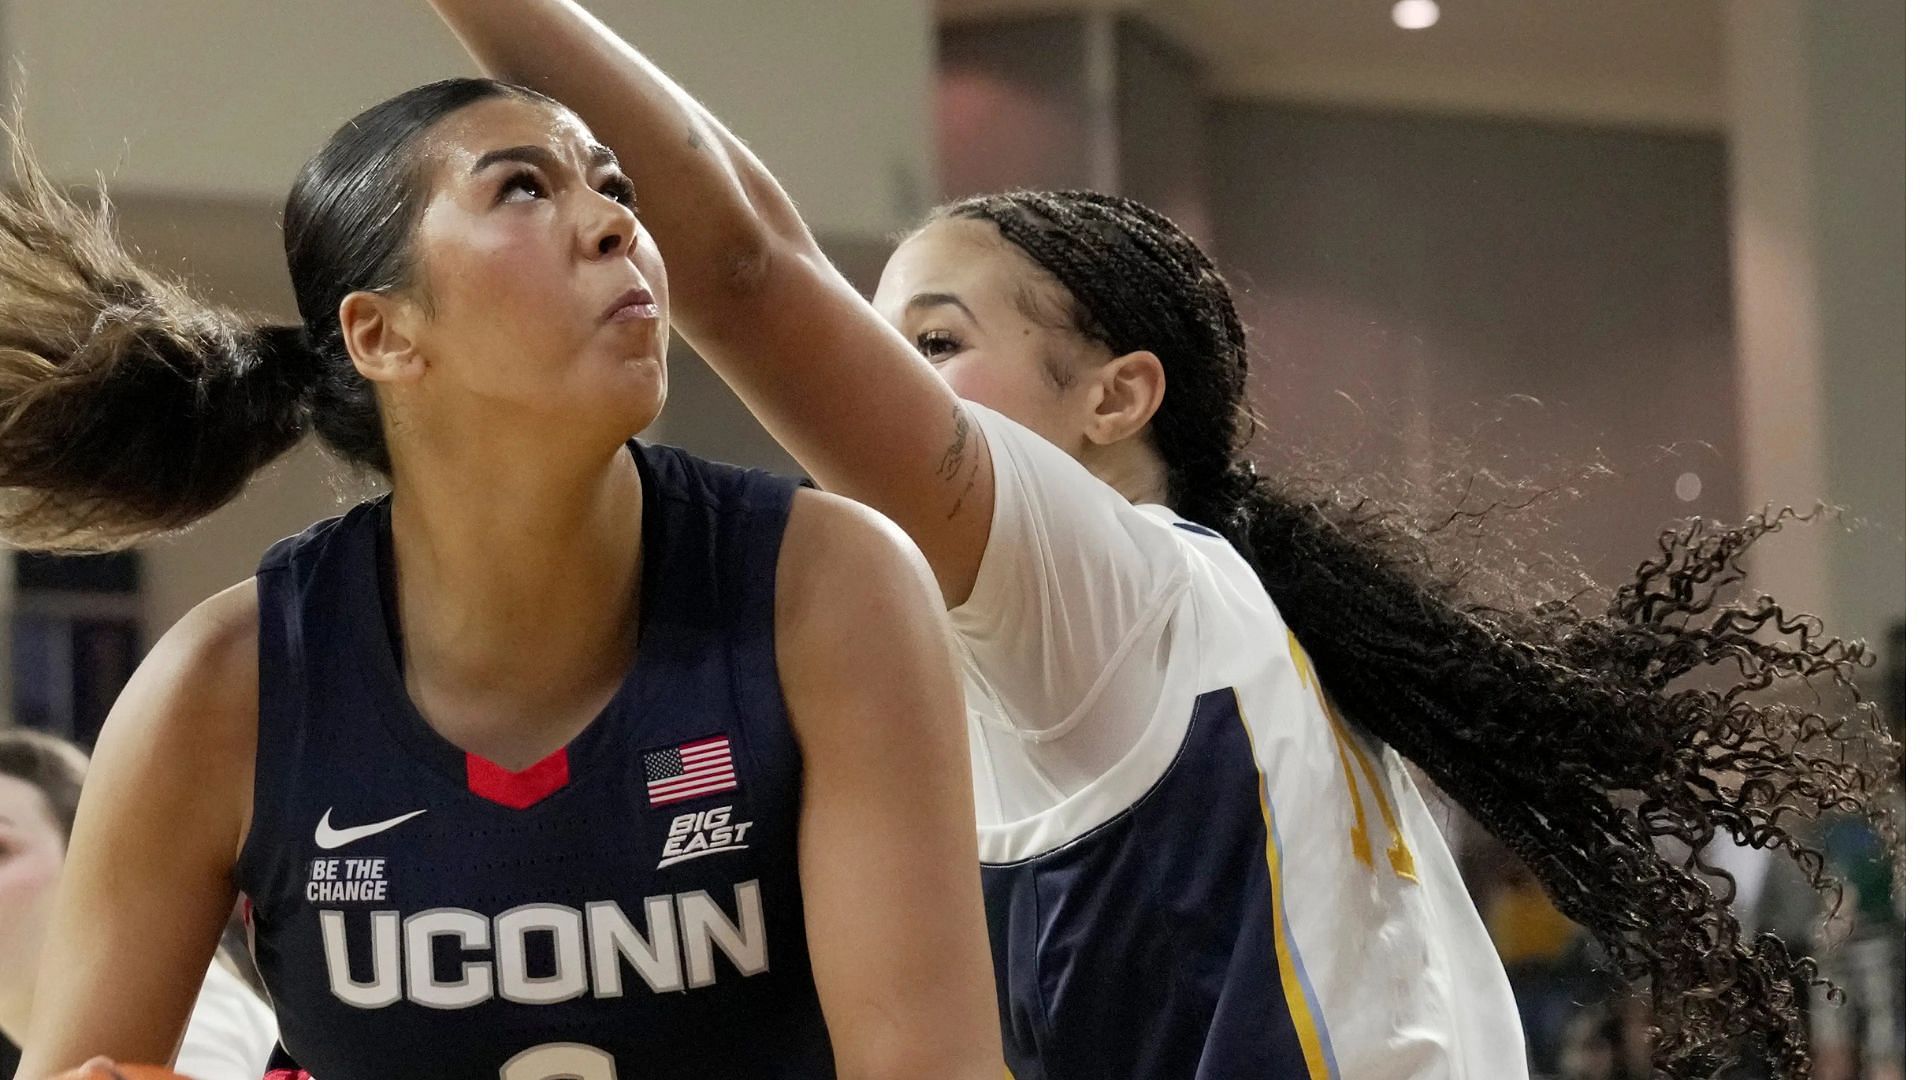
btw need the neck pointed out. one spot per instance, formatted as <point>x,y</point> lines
<point>517,580</point>
<point>1133,468</point>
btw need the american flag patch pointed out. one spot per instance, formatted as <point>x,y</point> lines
<point>689,771</point>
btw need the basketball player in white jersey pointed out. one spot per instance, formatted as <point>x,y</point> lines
<point>1202,858</point>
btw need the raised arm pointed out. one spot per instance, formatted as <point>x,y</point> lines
<point>148,880</point>
<point>895,919</point>
<point>837,386</point>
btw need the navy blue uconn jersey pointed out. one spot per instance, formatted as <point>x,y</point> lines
<point>628,907</point>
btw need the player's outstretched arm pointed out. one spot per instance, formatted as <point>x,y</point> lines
<point>838,387</point>
<point>148,880</point>
<point>895,920</point>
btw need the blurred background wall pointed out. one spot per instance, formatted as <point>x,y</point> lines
<point>1662,235</point>
<point>1530,237</point>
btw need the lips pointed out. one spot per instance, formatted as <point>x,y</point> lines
<point>633,305</point>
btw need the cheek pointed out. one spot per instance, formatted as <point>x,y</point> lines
<point>513,284</point>
<point>504,320</point>
<point>994,381</point>
<point>972,380</point>
<point>26,896</point>
<point>1011,390</point>
<point>501,284</point>
<point>653,268</point>
<point>25,876</point>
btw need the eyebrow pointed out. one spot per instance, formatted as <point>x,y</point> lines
<point>598,156</point>
<point>926,300</point>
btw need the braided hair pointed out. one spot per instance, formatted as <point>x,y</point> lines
<point>1566,732</point>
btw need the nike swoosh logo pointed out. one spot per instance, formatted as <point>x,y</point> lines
<point>328,837</point>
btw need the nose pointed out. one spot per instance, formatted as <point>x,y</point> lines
<point>613,243</point>
<point>614,232</point>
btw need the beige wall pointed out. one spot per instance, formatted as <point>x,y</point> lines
<point>1816,144</point>
<point>227,98</point>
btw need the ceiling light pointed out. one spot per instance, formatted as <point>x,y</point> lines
<point>1687,486</point>
<point>1415,14</point>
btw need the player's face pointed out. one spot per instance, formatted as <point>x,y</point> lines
<point>545,300</point>
<point>985,317</point>
<point>31,854</point>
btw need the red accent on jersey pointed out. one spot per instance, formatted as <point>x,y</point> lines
<point>517,790</point>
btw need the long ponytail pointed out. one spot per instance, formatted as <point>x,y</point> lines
<point>1605,748</point>
<point>127,408</point>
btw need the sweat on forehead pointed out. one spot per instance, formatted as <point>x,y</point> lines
<point>491,129</point>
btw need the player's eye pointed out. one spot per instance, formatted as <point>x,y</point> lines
<point>619,189</point>
<point>936,345</point>
<point>523,184</point>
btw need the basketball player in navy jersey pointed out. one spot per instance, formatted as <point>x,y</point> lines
<point>527,769</point>
<point>1196,865</point>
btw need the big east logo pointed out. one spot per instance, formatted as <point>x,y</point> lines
<point>707,832</point>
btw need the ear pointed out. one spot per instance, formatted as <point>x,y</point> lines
<point>1128,392</point>
<point>379,332</point>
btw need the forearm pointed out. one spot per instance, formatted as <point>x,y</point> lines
<point>715,211</point>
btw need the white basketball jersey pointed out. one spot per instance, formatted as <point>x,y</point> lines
<point>1194,866</point>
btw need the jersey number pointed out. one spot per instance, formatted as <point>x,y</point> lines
<point>560,1061</point>
<point>1352,754</point>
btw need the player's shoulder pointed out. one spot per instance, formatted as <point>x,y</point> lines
<point>185,728</point>
<point>1202,547</point>
<point>220,636</point>
<point>199,687</point>
<point>849,578</point>
<point>833,544</point>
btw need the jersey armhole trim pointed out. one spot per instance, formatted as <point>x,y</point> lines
<point>759,694</point>
<point>1154,614</point>
<point>262,814</point>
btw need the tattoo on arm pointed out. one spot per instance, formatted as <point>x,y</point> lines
<point>961,499</point>
<point>956,453</point>
<point>960,453</point>
<point>694,141</point>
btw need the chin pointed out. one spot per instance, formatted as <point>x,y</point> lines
<point>618,402</point>
<point>643,404</point>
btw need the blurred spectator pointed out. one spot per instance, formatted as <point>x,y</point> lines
<point>1863,950</point>
<point>1608,1041</point>
<point>231,1031</point>
<point>1541,950</point>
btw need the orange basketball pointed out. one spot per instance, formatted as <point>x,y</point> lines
<point>122,1072</point>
